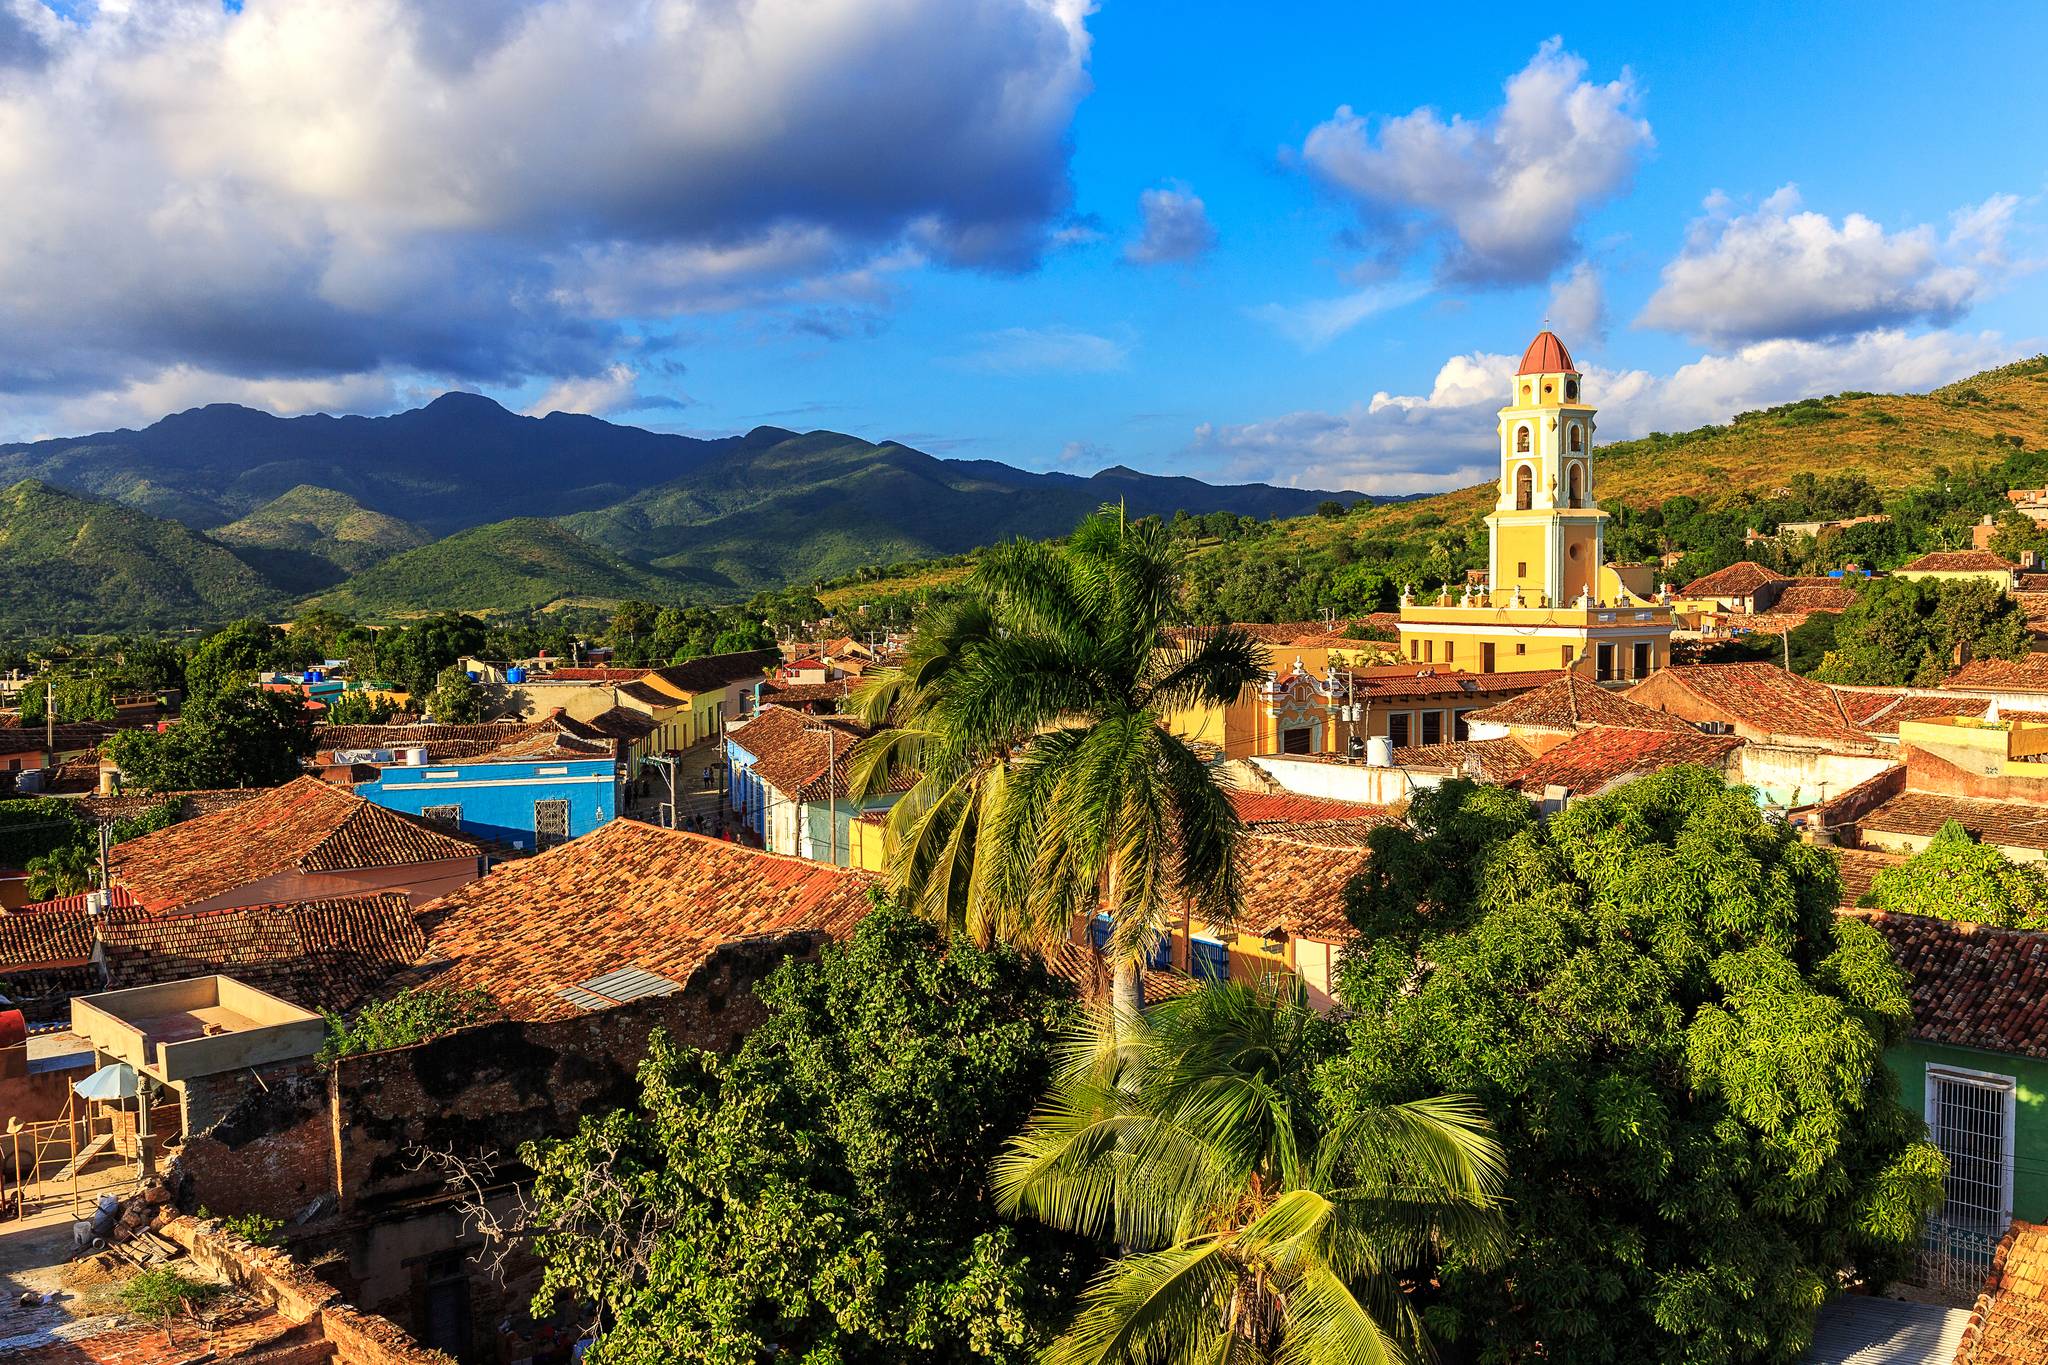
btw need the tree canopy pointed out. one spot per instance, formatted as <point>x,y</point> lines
<point>236,738</point>
<point>822,1196</point>
<point>1909,631</point>
<point>1957,878</point>
<point>1681,1049</point>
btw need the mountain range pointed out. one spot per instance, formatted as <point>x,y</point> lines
<point>463,505</point>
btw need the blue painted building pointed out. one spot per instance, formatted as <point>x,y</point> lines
<point>528,803</point>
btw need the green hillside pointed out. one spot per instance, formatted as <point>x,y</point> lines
<point>76,563</point>
<point>515,565</point>
<point>308,539</point>
<point>786,508</point>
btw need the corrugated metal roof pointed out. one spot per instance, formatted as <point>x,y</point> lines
<point>1857,1329</point>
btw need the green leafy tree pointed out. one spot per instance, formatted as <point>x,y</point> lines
<point>78,699</point>
<point>32,827</point>
<point>360,708</point>
<point>1256,1228</point>
<point>821,1196</point>
<point>413,1016</point>
<point>413,658</point>
<point>456,700</point>
<point>1681,1049</point>
<point>1048,784</point>
<point>1957,878</point>
<point>1329,507</point>
<point>150,664</point>
<point>62,872</point>
<point>231,657</point>
<point>242,738</point>
<point>1908,631</point>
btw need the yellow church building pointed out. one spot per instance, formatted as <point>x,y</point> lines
<point>1550,600</point>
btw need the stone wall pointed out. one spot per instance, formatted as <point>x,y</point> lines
<point>272,1154</point>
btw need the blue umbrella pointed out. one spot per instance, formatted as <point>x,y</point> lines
<point>114,1081</point>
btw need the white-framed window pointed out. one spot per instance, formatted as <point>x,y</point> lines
<point>450,816</point>
<point>1970,1117</point>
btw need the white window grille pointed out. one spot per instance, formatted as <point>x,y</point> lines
<point>1970,1118</point>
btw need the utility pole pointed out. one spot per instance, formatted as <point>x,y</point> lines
<point>50,721</point>
<point>106,842</point>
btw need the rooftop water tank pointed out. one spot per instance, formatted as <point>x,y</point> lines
<point>475,676</point>
<point>515,674</point>
<point>315,675</point>
<point>1379,752</point>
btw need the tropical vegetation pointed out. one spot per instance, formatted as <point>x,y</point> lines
<point>1958,878</point>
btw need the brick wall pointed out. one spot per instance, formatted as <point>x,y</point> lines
<point>273,1153</point>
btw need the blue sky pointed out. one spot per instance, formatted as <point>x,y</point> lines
<point>1295,243</point>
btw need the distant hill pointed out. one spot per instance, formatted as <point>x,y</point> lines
<point>75,563</point>
<point>785,508</point>
<point>515,565</point>
<point>307,539</point>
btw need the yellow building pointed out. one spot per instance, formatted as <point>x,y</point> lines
<point>1551,600</point>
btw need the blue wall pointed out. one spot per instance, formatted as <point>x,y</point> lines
<point>497,799</point>
<point>744,790</point>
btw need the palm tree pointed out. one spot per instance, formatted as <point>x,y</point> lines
<point>1253,1230</point>
<point>1048,785</point>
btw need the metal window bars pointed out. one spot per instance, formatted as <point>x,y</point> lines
<point>1970,1119</point>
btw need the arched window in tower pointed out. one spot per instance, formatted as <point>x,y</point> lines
<point>1521,440</point>
<point>1526,391</point>
<point>1571,390</point>
<point>1575,494</point>
<point>1578,437</point>
<point>1524,484</point>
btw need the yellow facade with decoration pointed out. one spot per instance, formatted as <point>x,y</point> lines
<point>1551,600</point>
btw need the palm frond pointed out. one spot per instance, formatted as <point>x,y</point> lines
<point>1145,1308</point>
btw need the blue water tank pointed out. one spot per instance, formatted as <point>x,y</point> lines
<point>475,676</point>
<point>515,674</point>
<point>315,675</point>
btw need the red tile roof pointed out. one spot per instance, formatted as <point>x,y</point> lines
<point>2009,1324</point>
<point>322,955</point>
<point>2008,824</point>
<point>1959,561</point>
<point>1596,759</point>
<point>627,895</point>
<point>1571,703</point>
<point>710,672</point>
<point>118,900</point>
<point>304,826</point>
<point>805,757</point>
<point>1381,686</point>
<point>797,694</point>
<point>1296,882</point>
<point>1546,355</point>
<point>1766,698</point>
<point>589,675</point>
<point>1268,808</point>
<point>1880,712</point>
<point>1497,760</point>
<point>41,939</point>
<point>1737,580</point>
<point>1859,868</point>
<point>1971,985</point>
<point>1809,597</point>
<point>2026,674</point>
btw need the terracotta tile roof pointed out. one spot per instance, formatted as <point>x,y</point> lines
<point>1297,884</point>
<point>713,671</point>
<point>322,955</point>
<point>304,826</point>
<point>1765,697</point>
<point>797,694</point>
<point>2008,824</point>
<point>1971,985</point>
<point>118,900</point>
<point>190,804</point>
<point>1083,968</point>
<point>1546,355</point>
<point>1295,632</point>
<point>34,941</point>
<point>2033,582</point>
<point>1570,703</point>
<point>245,1332</point>
<point>622,723</point>
<point>1859,868</point>
<point>588,675</point>
<point>2009,1324</point>
<point>646,694</point>
<point>2025,674</point>
<point>627,895</point>
<point>1268,808</point>
<point>1737,580</point>
<point>805,757</point>
<point>1804,597</point>
<point>1595,759</point>
<point>449,740</point>
<point>1498,760</point>
<point>1959,561</point>
<point>1880,712</point>
<point>21,742</point>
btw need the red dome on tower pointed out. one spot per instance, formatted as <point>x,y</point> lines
<point>1546,355</point>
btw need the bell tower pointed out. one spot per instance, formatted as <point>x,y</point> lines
<point>1545,528</point>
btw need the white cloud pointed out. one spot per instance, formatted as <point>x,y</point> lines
<point>1504,193</point>
<point>1315,323</point>
<point>139,402</point>
<point>1447,438</point>
<point>487,191</point>
<point>1041,350</point>
<point>1784,271</point>
<point>613,389</point>
<point>1578,304</point>
<point>1175,228</point>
